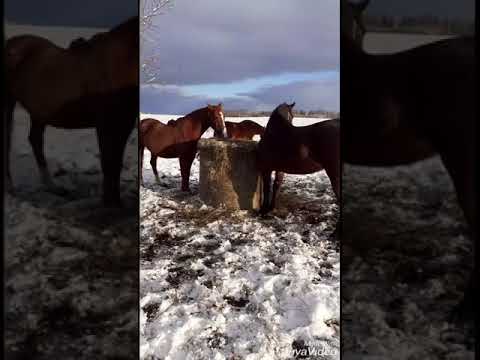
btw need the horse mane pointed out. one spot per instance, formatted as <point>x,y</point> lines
<point>196,112</point>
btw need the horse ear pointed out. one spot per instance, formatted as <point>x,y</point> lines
<point>220,105</point>
<point>292,105</point>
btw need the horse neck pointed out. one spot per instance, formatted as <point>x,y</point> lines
<point>355,59</point>
<point>204,120</point>
<point>198,122</point>
<point>277,124</point>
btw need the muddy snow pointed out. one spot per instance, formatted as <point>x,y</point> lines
<point>404,236</point>
<point>71,266</point>
<point>216,284</point>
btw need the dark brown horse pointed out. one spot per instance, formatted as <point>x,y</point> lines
<point>244,130</point>
<point>72,89</point>
<point>395,148</point>
<point>422,97</point>
<point>78,43</point>
<point>285,148</point>
<point>179,140</point>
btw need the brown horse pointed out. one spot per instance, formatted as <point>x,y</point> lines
<point>285,148</point>
<point>425,95</point>
<point>244,130</point>
<point>179,140</point>
<point>72,89</point>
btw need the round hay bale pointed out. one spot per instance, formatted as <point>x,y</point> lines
<point>229,175</point>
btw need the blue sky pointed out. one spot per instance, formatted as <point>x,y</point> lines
<point>236,88</point>
<point>249,55</point>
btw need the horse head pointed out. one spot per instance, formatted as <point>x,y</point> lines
<point>284,111</point>
<point>216,120</point>
<point>352,24</point>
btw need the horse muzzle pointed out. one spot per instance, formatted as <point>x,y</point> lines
<point>222,134</point>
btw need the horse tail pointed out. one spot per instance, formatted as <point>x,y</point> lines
<point>143,129</point>
<point>146,125</point>
<point>141,149</point>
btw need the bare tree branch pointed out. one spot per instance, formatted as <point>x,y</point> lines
<point>149,11</point>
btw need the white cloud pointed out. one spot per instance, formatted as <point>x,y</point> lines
<point>212,41</point>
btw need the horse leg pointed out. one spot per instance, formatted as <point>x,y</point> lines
<point>267,181</point>
<point>153,163</point>
<point>462,175</point>
<point>185,166</point>
<point>333,173</point>
<point>140,158</point>
<point>9,128</point>
<point>36,138</point>
<point>112,147</point>
<point>276,186</point>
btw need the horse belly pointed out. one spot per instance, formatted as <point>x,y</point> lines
<point>170,152</point>
<point>165,149</point>
<point>300,167</point>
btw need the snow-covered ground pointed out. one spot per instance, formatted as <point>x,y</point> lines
<point>216,284</point>
<point>71,266</point>
<point>404,237</point>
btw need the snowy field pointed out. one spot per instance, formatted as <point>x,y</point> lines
<point>71,266</point>
<point>232,285</point>
<point>404,235</point>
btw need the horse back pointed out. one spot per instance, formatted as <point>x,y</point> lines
<point>253,126</point>
<point>44,77</point>
<point>323,133</point>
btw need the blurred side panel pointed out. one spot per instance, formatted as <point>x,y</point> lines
<point>71,199</point>
<point>408,108</point>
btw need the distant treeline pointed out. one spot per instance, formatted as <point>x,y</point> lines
<point>299,113</point>
<point>428,25</point>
